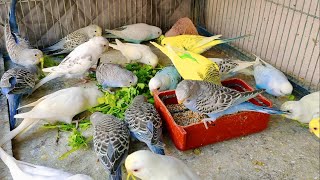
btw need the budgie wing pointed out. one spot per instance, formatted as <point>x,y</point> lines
<point>220,99</point>
<point>70,65</point>
<point>18,80</point>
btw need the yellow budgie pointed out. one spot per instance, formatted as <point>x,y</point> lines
<point>196,43</point>
<point>314,126</point>
<point>191,65</point>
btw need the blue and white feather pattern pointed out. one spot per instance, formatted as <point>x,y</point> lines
<point>166,79</point>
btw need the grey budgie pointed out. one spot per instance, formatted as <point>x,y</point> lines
<point>111,142</point>
<point>74,39</point>
<point>145,123</point>
<point>209,98</point>
<point>19,50</point>
<point>113,75</point>
<point>229,68</point>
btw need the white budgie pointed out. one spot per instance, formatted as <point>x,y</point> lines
<point>305,109</point>
<point>136,52</point>
<point>135,33</point>
<point>61,105</point>
<point>229,68</point>
<point>25,171</point>
<point>74,39</point>
<point>271,79</point>
<point>78,62</point>
<point>147,165</point>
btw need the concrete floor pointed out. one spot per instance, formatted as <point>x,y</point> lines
<point>285,150</point>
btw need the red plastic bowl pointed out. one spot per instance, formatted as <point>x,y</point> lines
<point>226,127</point>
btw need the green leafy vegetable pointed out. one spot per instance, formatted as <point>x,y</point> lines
<point>75,140</point>
<point>117,103</point>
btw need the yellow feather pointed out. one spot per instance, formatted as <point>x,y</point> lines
<point>191,65</point>
<point>314,126</point>
<point>196,43</point>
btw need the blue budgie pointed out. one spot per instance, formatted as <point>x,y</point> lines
<point>135,33</point>
<point>209,98</point>
<point>15,83</point>
<point>73,40</point>
<point>166,79</point>
<point>111,142</point>
<point>113,75</point>
<point>271,79</point>
<point>145,123</point>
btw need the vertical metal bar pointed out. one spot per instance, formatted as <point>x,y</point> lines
<point>281,14</point>
<point>265,30</point>
<point>77,4</point>
<point>288,34</point>
<point>274,17</point>
<point>224,17</point>
<point>245,30</point>
<point>39,25</point>
<point>90,11</point>
<point>234,15</point>
<point>240,30</point>
<point>97,12</point>
<point>53,20</point>
<point>221,23</point>
<point>309,62</point>
<point>284,26</point>
<point>45,20</point>
<point>261,24</point>
<point>65,13</point>
<point>226,23</point>
<point>295,37</point>
<point>84,13</point>
<point>72,12</point>
<point>151,15</point>
<point>314,72</point>
<point>103,12</point>
<point>59,18</point>
<point>32,23</point>
<point>125,12</point>
<point>248,41</point>
<point>255,32</point>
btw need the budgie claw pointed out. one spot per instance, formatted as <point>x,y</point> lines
<point>209,120</point>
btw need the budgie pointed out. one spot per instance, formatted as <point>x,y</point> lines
<point>136,53</point>
<point>19,50</point>
<point>314,126</point>
<point>229,68</point>
<point>165,79</point>
<point>111,142</point>
<point>245,106</point>
<point>271,79</point>
<point>25,171</point>
<point>61,105</point>
<point>196,43</point>
<point>78,62</point>
<point>73,40</point>
<point>146,165</point>
<point>209,98</point>
<point>15,83</point>
<point>113,75</point>
<point>135,33</point>
<point>182,26</point>
<point>307,108</point>
<point>191,65</point>
<point>145,123</point>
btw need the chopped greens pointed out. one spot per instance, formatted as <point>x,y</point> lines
<point>117,103</point>
<point>75,140</point>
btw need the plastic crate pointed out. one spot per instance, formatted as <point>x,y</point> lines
<point>226,127</point>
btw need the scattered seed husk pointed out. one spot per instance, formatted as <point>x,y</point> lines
<point>183,116</point>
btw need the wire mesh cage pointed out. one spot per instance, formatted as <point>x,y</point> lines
<point>284,32</point>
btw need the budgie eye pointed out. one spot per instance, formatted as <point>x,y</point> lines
<point>135,170</point>
<point>187,101</point>
<point>95,31</point>
<point>36,55</point>
<point>104,45</point>
<point>315,128</point>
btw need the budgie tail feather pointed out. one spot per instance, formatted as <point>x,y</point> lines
<point>14,101</point>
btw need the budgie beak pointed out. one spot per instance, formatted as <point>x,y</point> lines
<point>159,39</point>
<point>181,101</point>
<point>41,62</point>
<point>130,176</point>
